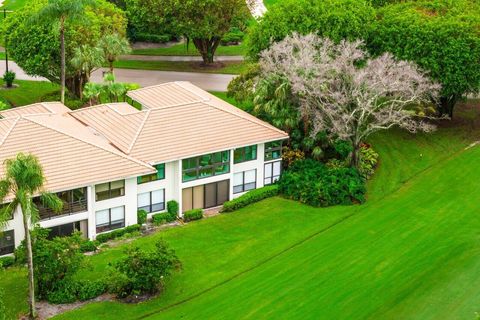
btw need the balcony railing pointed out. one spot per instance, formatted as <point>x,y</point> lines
<point>68,209</point>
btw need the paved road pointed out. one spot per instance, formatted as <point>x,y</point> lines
<point>206,81</point>
<point>178,58</point>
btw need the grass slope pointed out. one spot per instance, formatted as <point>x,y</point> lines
<point>27,92</point>
<point>313,262</point>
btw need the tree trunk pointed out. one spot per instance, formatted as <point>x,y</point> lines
<point>207,48</point>
<point>31,281</point>
<point>62,59</point>
<point>447,104</point>
<point>110,63</point>
<point>354,156</point>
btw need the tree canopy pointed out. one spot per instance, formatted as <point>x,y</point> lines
<point>34,44</point>
<point>441,36</point>
<point>335,19</point>
<point>204,22</point>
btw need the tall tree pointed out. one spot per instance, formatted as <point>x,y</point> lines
<point>33,43</point>
<point>345,93</point>
<point>23,180</point>
<point>113,46</point>
<point>204,22</point>
<point>441,36</point>
<point>60,11</point>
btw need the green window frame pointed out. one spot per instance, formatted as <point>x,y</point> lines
<point>245,154</point>
<point>204,166</point>
<point>273,150</point>
<point>159,175</point>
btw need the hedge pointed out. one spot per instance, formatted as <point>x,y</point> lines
<point>195,214</point>
<point>172,207</point>
<point>163,217</point>
<point>104,237</point>
<point>6,262</point>
<point>250,197</point>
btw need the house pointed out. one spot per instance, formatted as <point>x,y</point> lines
<point>108,161</point>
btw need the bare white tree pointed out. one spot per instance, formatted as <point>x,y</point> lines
<point>347,94</point>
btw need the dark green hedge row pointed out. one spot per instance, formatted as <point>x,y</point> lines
<point>195,214</point>
<point>163,217</point>
<point>250,197</point>
<point>104,237</point>
<point>311,182</point>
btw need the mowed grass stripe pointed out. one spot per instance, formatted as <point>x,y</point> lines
<point>396,260</point>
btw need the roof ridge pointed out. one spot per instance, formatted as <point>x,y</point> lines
<point>15,121</point>
<point>92,144</point>
<point>241,115</point>
<point>135,138</point>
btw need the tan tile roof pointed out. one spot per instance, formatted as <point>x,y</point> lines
<point>71,154</point>
<point>168,131</point>
<point>164,95</point>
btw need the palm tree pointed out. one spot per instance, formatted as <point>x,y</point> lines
<point>113,46</point>
<point>85,60</point>
<point>22,181</point>
<point>61,11</point>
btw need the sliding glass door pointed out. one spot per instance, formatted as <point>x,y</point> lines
<point>205,196</point>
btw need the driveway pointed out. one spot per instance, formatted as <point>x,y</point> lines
<point>206,81</point>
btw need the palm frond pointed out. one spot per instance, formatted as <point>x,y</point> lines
<point>51,201</point>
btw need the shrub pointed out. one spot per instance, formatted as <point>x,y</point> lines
<point>289,156</point>
<point>88,246</point>
<point>148,37</point>
<point>195,214</point>
<point>142,271</point>
<point>104,237</point>
<point>368,161</point>
<point>311,182</point>
<point>69,291</point>
<point>8,77</point>
<point>141,216</point>
<point>6,262</point>
<point>55,262</point>
<point>250,197</point>
<point>163,217</point>
<point>172,207</point>
<point>233,37</point>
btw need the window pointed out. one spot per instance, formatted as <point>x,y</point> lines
<point>109,190</point>
<point>272,172</point>
<point>159,175</point>
<point>7,242</point>
<point>110,219</point>
<point>63,230</point>
<point>245,154</point>
<point>151,201</point>
<point>273,150</point>
<point>206,166</point>
<point>73,201</point>
<point>244,181</point>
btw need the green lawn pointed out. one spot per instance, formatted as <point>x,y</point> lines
<point>230,67</point>
<point>269,3</point>
<point>181,50</point>
<point>27,92</point>
<point>410,252</point>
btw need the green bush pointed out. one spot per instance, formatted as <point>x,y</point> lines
<point>233,37</point>
<point>143,271</point>
<point>155,38</point>
<point>141,216</point>
<point>313,183</point>
<point>6,262</point>
<point>195,214</point>
<point>9,77</point>
<point>250,197</point>
<point>104,237</point>
<point>88,246</point>
<point>368,160</point>
<point>172,207</point>
<point>163,217</point>
<point>69,291</point>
